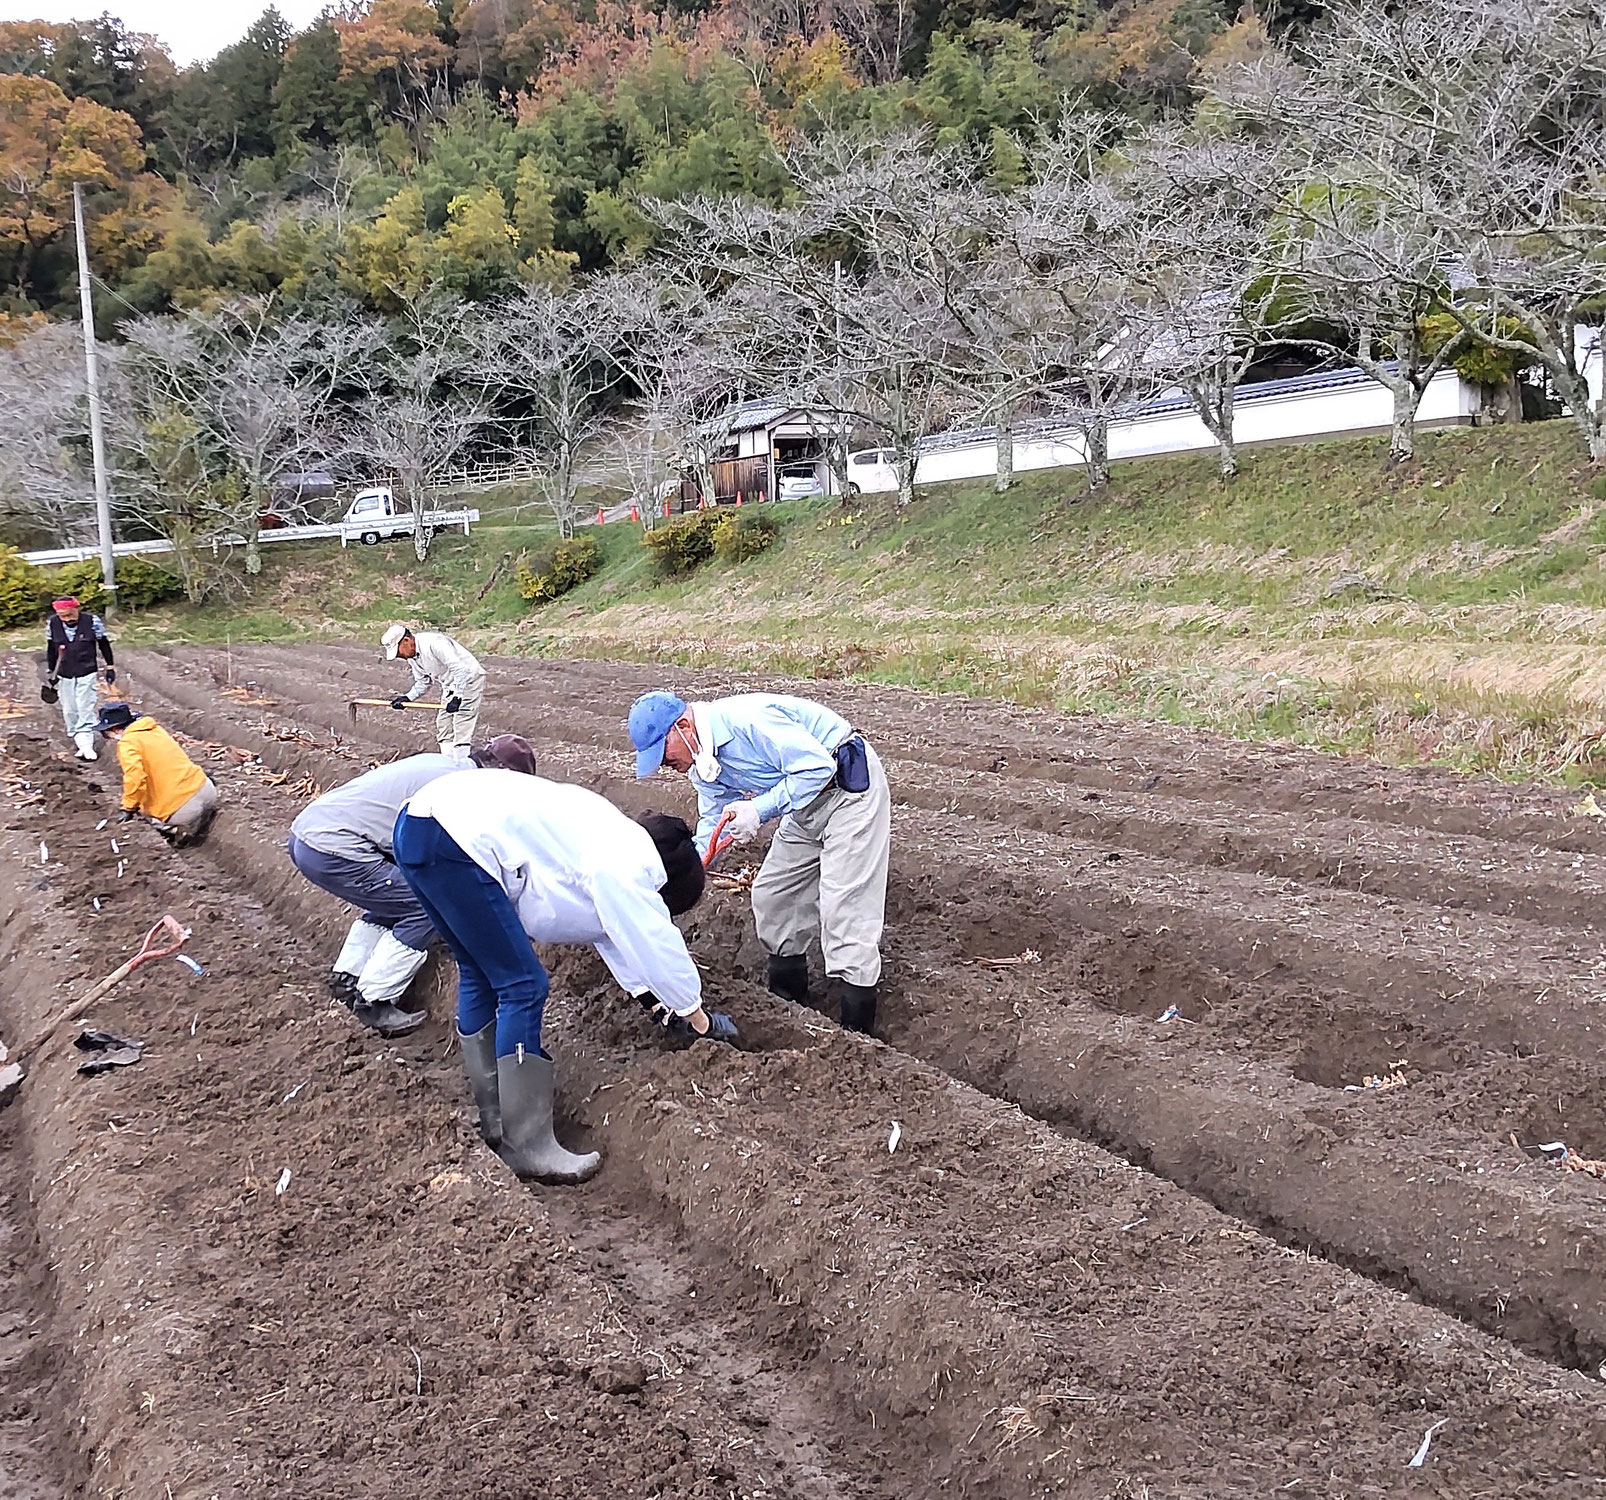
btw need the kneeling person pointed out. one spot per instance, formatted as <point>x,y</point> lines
<point>159,779</point>
<point>501,861</point>
<point>342,844</point>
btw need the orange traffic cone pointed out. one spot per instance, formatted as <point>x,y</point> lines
<point>635,512</point>
<point>738,497</point>
<point>600,517</point>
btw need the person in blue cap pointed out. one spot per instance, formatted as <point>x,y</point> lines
<point>766,756</point>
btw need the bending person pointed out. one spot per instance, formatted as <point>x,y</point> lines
<point>342,844</point>
<point>760,756</point>
<point>500,861</point>
<point>159,779</point>
<point>438,659</point>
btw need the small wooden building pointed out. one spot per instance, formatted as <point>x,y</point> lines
<point>751,446</point>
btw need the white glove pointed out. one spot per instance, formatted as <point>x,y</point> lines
<point>744,822</point>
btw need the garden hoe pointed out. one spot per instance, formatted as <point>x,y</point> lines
<point>357,703</point>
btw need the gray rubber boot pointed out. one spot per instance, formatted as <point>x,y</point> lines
<point>524,1082</point>
<point>479,1062</point>
<point>789,977</point>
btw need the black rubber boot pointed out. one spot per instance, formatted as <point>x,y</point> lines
<point>858,1005</point>
<point>524,1082</point>
<point>789,977</point>
<point>388,1020</point>
<point>479,1062</point>
<point>343,987</point>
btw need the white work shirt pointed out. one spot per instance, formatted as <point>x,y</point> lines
<point>576,869</point>
<point>440,659</point>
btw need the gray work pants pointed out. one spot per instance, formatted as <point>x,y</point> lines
<point>376,886</point>
<point>457,729</point>
<point>79,709</point>
<point>826,872</point>
<point>188,825</point>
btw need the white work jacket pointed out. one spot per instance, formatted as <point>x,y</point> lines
<point>576,869</point>
<point>440,659</point>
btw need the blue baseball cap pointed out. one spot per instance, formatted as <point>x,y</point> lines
<point>652,716</point>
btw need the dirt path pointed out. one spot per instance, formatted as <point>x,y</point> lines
<point>1146,1231</point>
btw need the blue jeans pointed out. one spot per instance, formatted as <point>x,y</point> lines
<point>498,975</point>
<point>374,885</point>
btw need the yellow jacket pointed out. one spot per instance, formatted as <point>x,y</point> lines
<point>158,777</point>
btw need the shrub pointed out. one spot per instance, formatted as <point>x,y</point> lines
<point>552,572</point>
<point>23,591</point>
<point>683,546</point>
<point>741,534</point>
<point>139,583</point>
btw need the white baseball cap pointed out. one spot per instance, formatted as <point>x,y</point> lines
<point>391,639</point>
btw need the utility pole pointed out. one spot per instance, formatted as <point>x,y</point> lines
<point>103,499</point>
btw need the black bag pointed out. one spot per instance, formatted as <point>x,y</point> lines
<point>853,765</point>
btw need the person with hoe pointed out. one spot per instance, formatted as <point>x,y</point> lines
<point>761,756</point>
<point>438,659</point>
<point>71,642</point>
<point>159,779</point>
<point>500,861</point>
<point>342,844</point>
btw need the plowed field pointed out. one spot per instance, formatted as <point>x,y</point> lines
<point>1151,1227</point>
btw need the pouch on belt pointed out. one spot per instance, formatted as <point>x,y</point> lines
<point>853,765</point>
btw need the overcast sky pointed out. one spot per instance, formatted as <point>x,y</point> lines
<point>193,30</point>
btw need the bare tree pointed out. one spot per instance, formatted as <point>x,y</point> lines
<point>1087,329</point>
<point>1453,158</point>
<point>46,489</point>
<point>1199,239</point>
<point>420,405</point>
<point>546,355</point>
<point>168,480</point>
<point>660,328</point>
<point>843,308</point>
<point>265,377</point>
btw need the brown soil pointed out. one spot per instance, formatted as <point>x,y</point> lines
<point>1113,1255</point>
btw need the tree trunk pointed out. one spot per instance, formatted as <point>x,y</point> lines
<point>903,459</point>
<point>420,530</point>
<point>1006,450</point>
<point>253,548</point>
<point>1589,418</point>
<point>1226,442</point>
<point>1096,442</point>
<point>1501,404</point>
<point>1402,433</point>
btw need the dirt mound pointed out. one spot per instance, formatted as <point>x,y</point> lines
<point>1151,1226</point>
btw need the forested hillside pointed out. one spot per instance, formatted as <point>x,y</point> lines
<point>478,144</point>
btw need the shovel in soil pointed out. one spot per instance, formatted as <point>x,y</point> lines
<point>162,941</point>
<point>357,703</point>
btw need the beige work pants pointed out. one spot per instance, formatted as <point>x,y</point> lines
<point>826,872</point>
<point>456,731</point>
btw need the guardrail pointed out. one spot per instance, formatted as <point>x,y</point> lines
<point>347,531</point>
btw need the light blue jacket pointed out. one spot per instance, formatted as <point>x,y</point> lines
<point>779,750</point>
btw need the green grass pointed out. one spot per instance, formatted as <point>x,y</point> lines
<point>1466,634</point>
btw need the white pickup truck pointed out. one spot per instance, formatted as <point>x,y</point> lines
<point>374,515</point>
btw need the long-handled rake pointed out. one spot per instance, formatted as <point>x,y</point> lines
<point>149,950</point>
<point>357,703</point>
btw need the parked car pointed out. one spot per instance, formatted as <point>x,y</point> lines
<point>374,515</point>
<point>798,482</point>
